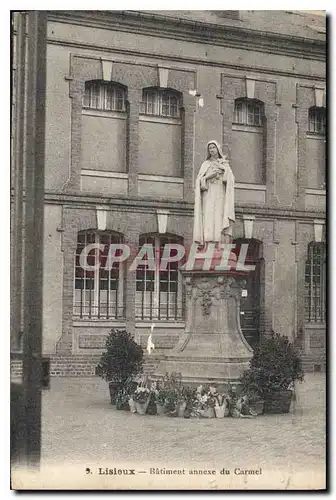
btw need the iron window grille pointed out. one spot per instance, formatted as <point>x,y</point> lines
<point>248,112</point>
<point>104,96</point>
<point>158,292</point>
<point>98,293</point>
<point>159,102</point>
<point>317,120</point>
<point>315,283</point>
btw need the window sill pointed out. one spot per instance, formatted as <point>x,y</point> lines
<point>316,135</point>
<point>320,192</point>
<point>104,173</point>
<point>160,178</point>
<point>98,322</point>
<point>160,323</point>
<point>252,186</point>
<point>160,119</point>
<point>247,128</point>
<point>121,115</point>
<point>313,326</point>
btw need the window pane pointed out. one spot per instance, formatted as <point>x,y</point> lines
<point>104,96</point>
<point>239,112</point>
<point>160,103</point>
<point>315,283</point>
<point>79,284</point>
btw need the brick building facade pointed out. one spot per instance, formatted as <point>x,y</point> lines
<point>126,133</point>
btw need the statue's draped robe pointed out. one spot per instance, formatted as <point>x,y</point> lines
<point>214,203</point>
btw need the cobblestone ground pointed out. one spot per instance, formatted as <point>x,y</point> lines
<point>81,429</point>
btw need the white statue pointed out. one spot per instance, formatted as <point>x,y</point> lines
<point>214,213</point>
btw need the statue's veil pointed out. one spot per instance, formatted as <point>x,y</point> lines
<point>219,148</point>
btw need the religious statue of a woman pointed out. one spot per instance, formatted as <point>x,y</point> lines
<point>214,213</point>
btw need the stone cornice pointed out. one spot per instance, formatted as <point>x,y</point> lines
<point>180,208</point>
<point>183,60</point>
<point>139,22</point>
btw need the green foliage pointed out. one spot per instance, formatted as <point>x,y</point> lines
<point>169,390</point>
<point>274,367</point>
<point>122,360</point>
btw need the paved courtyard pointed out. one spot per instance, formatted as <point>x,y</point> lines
<point>81,430</point>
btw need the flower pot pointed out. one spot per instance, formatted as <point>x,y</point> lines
<point>180,409</point>
<point>160,409</point>
<point>209,413</point>
<point>220,411</point>
<point>141,408</point>
<point>257,406</point>
<point>132,405</point>
<point>122,405</point>
<point>279,402</point>
<point>113,388</point>
<point>151,409</point>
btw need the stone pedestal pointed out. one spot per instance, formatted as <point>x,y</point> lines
<point>213,348</point>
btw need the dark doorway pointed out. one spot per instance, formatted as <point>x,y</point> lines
<point>250,303</point>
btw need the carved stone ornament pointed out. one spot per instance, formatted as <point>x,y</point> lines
<point>225,288</point>
<point>188,287</point>
<point>205,289</point>
<point>206,302</point>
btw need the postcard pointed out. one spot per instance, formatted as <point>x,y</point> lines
<point>168,250</point>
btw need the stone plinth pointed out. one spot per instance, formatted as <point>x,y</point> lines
<point>213,347</point>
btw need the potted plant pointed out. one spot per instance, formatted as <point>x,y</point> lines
<point>141,398</point>
<point>189,397</point>
<point>122,399</point>
<point>160,399</point>
<point>120,362</point>
<point>274,368</point>
<point>205,402</point>
<point>169,396</point>
<point>220,405</point>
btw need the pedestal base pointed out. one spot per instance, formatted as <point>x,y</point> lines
<point>196,371</point>
<point>213,348</point>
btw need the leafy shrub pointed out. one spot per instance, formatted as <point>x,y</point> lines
<point>122,360</point>
<point>274,368</point>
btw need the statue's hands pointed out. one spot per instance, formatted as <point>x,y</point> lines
<point>214,174</point>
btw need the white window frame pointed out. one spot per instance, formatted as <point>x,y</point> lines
<point>161,102</point>
<point>93,308</point>
<point>315,293</point>
<point>151,301</point>
<point>317,120</point>
<point>104,96</point>
<point>248,112</point>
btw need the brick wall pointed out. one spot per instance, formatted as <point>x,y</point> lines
<point>78,366</point>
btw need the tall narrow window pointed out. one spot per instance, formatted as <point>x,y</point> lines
<point>98,293</point>
<point>104,135</point>
<point>106,96</point>
<point>161,136</point>
<point>161,102</point>
<point>315,283</point>
<point>159,292</point>
<point>248,146</point>
<point>317,120</point>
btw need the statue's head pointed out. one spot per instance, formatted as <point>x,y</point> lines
<point>214,150</point>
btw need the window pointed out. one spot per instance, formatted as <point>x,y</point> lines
<point>159,293</point>
<point>158,102</point>
<point>317,120</point>
<point>248,112</point>
<point>98,293</point>
<point>106,96</point>
<point>315,283</point>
